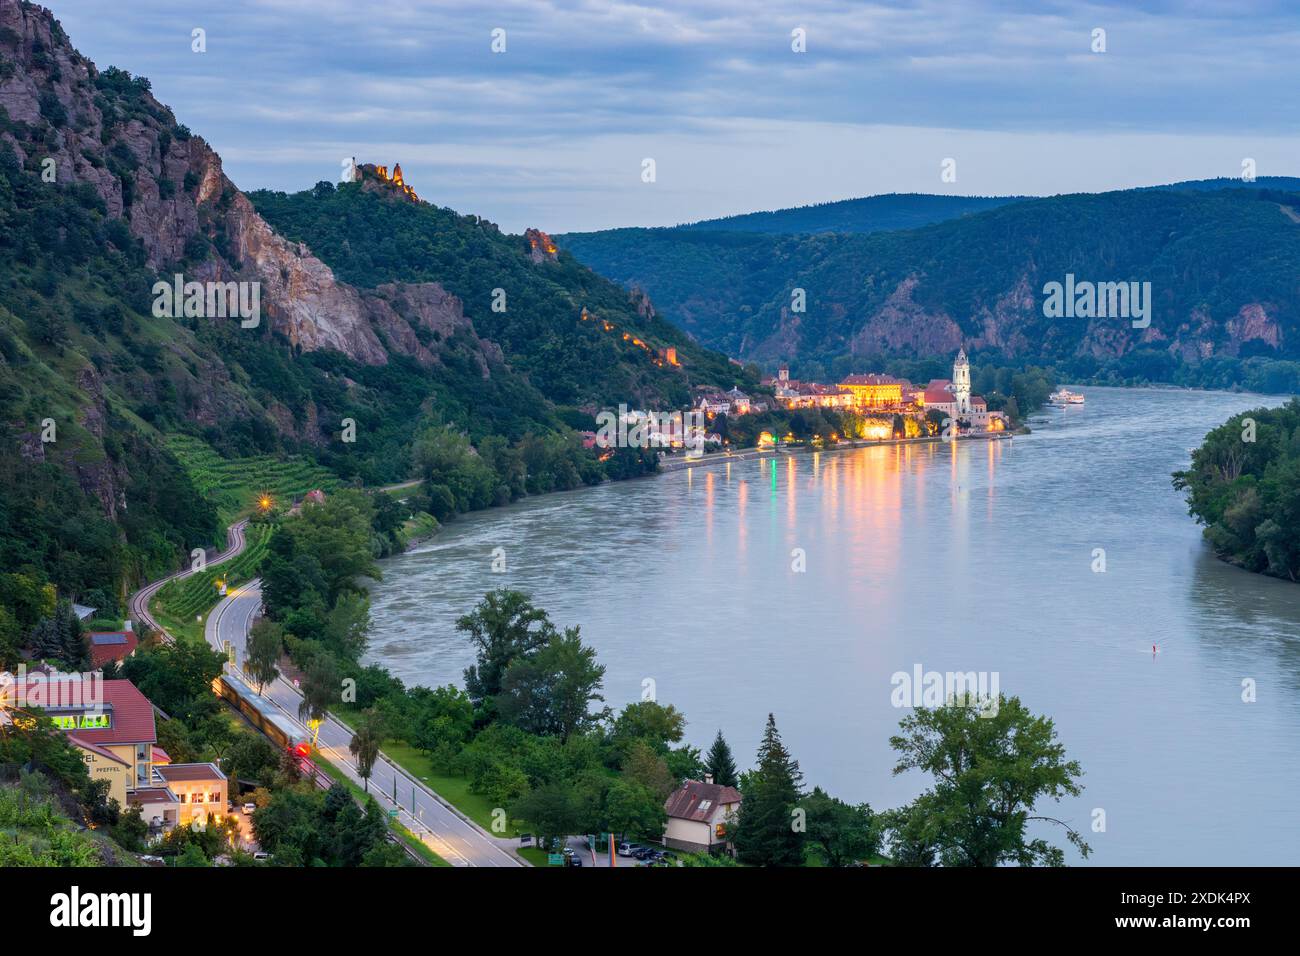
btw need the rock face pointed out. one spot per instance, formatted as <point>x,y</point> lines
<point>168,186</point>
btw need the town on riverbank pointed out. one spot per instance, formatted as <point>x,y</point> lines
<point>862,409</point>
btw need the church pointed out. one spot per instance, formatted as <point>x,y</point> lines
<point>952,397</point>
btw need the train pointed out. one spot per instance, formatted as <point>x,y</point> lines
<point>263,715</point>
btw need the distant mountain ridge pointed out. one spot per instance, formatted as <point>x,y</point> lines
<point>889,211</point>
<point>1222,256</point>
<point>865,214</point>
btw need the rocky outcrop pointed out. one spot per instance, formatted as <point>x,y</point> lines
<point>106,130</point>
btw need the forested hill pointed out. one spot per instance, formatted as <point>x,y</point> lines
<point>123,424</point>
<point>1222,263</point>
<point>519,292</point>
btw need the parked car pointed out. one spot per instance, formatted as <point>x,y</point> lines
<point>250,807</point>
<point>259,855</point>
<point>642,853</point>
<point>628,849</point>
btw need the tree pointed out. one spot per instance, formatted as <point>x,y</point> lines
<point>631,808</point>
<point>347,626</point>
<point>843,833</point>
<point>503,627</point>
<point>990,768</point>
<point>550,692</point>
<point>550,810</point>
<point>265,643</point>
<point>765,833</point>
<point>719,764</point>
<point>657,724</point>
<point>365,745</point>
<point>320,688</point>
<point>440,722</point>
<point>60,638</point>
<point>645,766</point>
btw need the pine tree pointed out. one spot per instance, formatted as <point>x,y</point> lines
<point>61,639</point>
<point>719,762</point>
<point>768,831</point>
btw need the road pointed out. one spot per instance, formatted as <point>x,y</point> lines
<point>457,840</point>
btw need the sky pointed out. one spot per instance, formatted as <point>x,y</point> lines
<point>554,131</point>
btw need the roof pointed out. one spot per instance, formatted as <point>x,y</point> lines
<point>978,400</point>
<point>152,795</point>
<point>871,379</point>
<point>104,752</point>
<point>82,611</point>
<point>698,801</point>
<point>939,396</point>
<point>189,771</point>
<point>131,714</point>
<point>108,646</point>
<point>160,756</point>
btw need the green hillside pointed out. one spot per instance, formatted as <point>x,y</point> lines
<point>132,438</point>
<point>233,484</point>
<point>1208,253</point>
<point>370,238</point>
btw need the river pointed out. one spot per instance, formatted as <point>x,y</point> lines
<point>975,556</point>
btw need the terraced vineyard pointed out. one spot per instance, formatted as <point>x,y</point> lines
<point>233,484</point>
<point>186,598</point>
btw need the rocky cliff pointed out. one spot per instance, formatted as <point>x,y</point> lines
<point>106,130</point>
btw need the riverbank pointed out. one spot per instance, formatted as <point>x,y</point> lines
<point>909,558</point>
<point>678,463</point>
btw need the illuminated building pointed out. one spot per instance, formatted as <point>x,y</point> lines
<point>874,391</point>
<point>112,724</point>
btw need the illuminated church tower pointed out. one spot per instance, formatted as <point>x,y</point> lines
<point>961,383</point>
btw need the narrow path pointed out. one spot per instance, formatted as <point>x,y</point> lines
<point>139,603</point>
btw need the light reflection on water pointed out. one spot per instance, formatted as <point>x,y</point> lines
<point>973,557</point>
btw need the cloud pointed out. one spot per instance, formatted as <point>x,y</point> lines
<point>552,132</point>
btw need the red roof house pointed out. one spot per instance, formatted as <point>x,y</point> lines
<point>108,646</point>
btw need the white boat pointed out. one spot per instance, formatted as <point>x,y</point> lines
<point>1063,396</point>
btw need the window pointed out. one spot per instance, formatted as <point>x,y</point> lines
<point>705,804</point>
<point>198,798</point>
<point>214,798</point>
<point>181,797</point>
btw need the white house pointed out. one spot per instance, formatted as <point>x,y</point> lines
<point>697,815</point>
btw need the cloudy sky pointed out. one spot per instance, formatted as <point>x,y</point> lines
<point>553,131</point>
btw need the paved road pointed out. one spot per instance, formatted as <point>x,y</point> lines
<point>455,839</point>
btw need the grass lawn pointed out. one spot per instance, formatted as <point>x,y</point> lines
<point>534,855</point>
<point>409,839</point>
<point>183,629</point>
<point>455,790</point>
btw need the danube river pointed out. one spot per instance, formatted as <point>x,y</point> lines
<point>978,557</point>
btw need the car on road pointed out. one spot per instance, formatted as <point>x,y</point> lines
<point>250,807</point>
<point>573,860</point>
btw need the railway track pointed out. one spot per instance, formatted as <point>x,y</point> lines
<point>139,603</point>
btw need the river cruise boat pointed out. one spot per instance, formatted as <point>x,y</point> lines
<point>1063,396</point>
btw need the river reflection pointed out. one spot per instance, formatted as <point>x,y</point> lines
<point>970,557</point>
